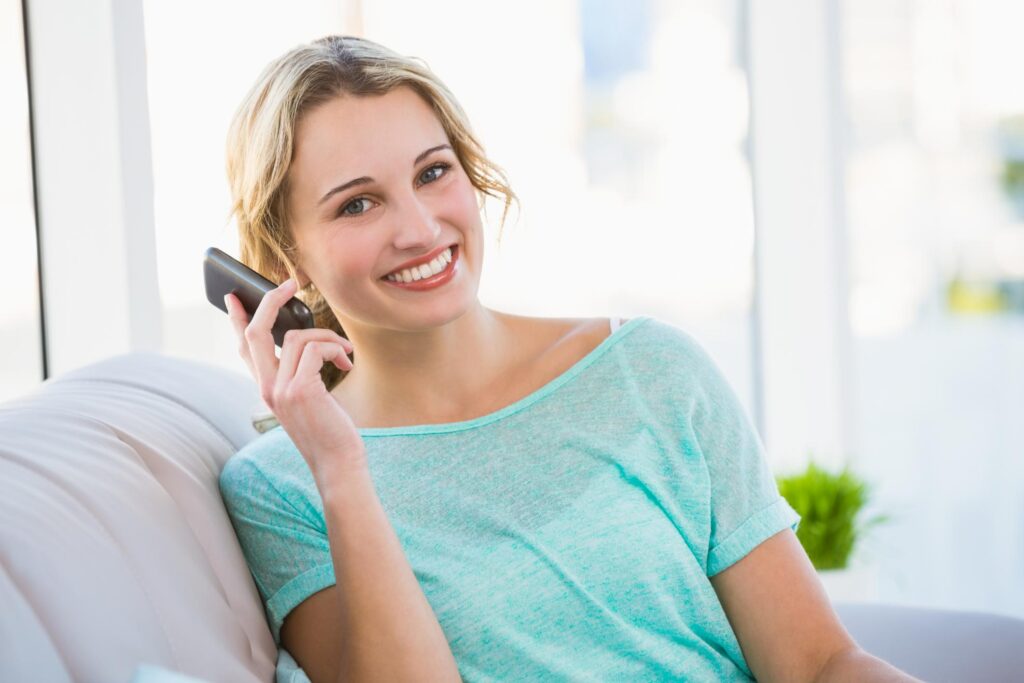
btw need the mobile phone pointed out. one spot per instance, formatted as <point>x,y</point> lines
<point>225,274</point>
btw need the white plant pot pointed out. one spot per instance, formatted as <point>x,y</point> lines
<point>855,583</point>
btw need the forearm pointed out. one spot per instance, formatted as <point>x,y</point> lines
<point>857,666</point>
<point>390,630</point>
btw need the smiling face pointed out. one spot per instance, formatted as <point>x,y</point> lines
<point>374,184</point>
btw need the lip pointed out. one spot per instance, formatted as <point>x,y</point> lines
<point>434,281</point>
<point>421,260</point>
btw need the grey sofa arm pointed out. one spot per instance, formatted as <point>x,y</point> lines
<point>939,645</point>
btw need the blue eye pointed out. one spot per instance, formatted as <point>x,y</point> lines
<point>344,211</point>
<point>431,174</point>
<point>443,166</point>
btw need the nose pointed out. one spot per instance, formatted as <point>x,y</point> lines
<point>417,228</point>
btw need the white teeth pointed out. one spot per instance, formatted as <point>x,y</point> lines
<point>424,270</point>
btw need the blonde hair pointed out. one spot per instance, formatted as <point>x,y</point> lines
<point>262,135</point>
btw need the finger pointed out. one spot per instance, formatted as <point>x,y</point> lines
<point>341,359</point>
<point>294,343</point>
<point>258,333</point>
<point>312,360</point>
<point>236,313</point>
<point>239,319</point>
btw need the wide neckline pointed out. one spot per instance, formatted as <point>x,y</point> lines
<point>445,427</point>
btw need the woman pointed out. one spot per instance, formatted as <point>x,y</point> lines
<point>457,491</point>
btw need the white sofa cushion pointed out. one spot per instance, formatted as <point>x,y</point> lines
<point>116,549</point>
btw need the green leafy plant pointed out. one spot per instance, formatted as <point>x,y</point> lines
<point>829,506</point>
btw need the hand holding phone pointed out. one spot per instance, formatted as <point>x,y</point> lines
<point>225,274</point>
<point>293,388</point>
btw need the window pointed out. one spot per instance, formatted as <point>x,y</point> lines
<point>936,243</point>
<point>21,363</point>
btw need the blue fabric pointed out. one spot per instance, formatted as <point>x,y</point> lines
<point>568,536</point>
<point>153,673</point>
<point>288,670</point>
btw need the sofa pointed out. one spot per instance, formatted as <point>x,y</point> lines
<point>120,564</point>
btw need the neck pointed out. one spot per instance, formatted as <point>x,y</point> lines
<point>425,376</point>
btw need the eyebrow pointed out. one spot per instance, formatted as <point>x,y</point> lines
<point>366,179</point>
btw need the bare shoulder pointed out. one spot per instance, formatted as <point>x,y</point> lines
<point>588,328</point>
<point>562,341</point>
<point>556,330</point>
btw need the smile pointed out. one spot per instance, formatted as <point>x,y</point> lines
<point>427,275</point>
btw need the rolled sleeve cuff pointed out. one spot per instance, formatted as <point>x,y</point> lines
<point>294,592</point>
<point>758,528</point>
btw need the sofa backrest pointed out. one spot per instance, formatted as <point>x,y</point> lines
<point>116,549</point>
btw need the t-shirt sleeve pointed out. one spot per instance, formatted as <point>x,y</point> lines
<point>746,506</point>
<point>284,543</point>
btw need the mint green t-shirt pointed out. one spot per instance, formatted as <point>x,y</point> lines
<point>566,537</point>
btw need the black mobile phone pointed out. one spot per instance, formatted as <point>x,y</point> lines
<point>223,274</point>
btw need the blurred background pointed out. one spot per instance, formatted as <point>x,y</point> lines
<point>829,195</point>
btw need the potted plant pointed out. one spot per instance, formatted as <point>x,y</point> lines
<point>831,524</point>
